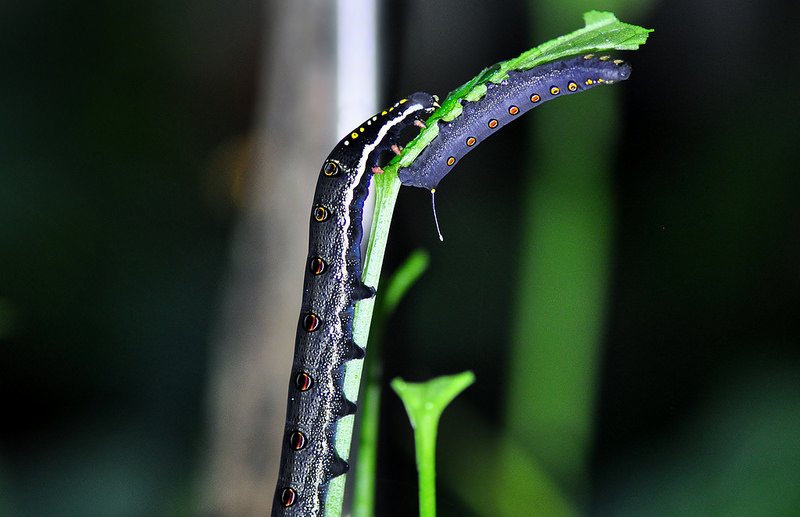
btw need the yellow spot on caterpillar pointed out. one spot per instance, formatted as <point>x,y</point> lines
<point>618,61</point>
<point>353,135</point>
<point>493,123</point>
<point>471,141</point>
<point>572,86</point>
<point>513,110</point>
<point>391,109</point>
<point>403,101</point>
<point>605,58</point>
<point>588,56</point>
<point>321,213</point>
<point>555,90</point>
<point>600,80</point>
<point>451,160</point>
<point>361,129</point>
<point>384,112</point>
<point>330,169</point>
<point>589,82</point>
<point>535,97</point>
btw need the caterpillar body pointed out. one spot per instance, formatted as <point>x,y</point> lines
<point>332,285</point>
<point>503,102</point>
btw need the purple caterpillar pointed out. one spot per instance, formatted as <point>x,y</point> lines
<point>331,287</point>
<point>503,103</point>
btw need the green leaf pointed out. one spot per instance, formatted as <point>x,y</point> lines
<point>424,403</point>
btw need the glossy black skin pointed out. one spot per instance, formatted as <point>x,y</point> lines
<point>431,165</point>
<point>331,296</point>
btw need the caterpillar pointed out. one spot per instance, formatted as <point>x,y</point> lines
<point>502,103</point>
<point>331,286</point>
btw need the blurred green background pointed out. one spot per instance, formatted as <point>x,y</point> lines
<point>619,269</point>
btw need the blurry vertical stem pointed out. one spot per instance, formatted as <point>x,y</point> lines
<point>560,307</point>
<point>390,295</point>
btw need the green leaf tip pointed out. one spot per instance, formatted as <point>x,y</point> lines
<point>602,31</point>
<point>424,403</point>
<point>429,399</point>
<point>403,279</point>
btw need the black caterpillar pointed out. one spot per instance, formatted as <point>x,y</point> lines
<point>331,287</point>
<point>333,276</point>
<point>502,103</point>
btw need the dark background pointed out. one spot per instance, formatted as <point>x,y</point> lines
<point>121,181</point>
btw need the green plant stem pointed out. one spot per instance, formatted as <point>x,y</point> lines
<point>424,403</point>
<point>364,486</point>
<point>425,440</point>
<point>386,188</point>
<point>390,295</point>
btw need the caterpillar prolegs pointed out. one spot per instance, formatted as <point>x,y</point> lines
<point>331,287</point>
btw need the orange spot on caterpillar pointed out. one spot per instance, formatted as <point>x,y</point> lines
<point>297,440</point>
<point>288,497</point>
<point>303,381</point>
<point>317,266</point>
<point>310,322</point>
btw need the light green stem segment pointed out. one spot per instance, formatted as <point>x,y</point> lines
<point>386,188</point>
<point>424,403</point>
<point>390,295</point>
<point>364,486</point>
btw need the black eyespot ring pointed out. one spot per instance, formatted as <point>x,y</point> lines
<point>317,266</point>
<point>310,322</point>
<point>320,213</point>
<point>303,381</point>
<point>330,169</point>
<point>297,440</point>
<point>288,497</point>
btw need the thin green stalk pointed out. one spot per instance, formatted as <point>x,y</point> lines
<point>390,295</point>
<point>386,188</point>
<point>424,403</point>
<point>425,442</point>
<point>364,485</point>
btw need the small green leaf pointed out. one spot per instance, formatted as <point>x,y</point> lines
<point>424,403</point>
